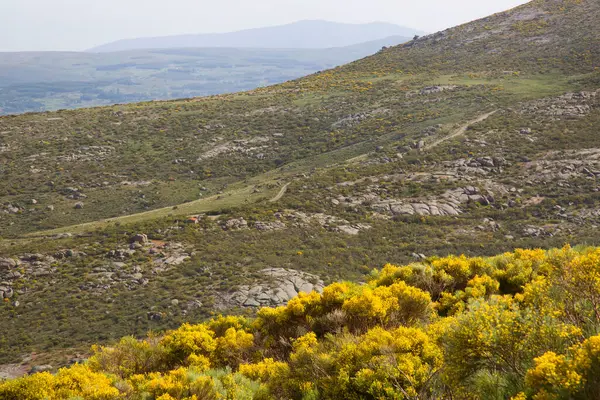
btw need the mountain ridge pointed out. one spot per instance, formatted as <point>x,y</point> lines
<point>302,34</point>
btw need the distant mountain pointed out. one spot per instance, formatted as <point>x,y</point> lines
<point>297,35</point>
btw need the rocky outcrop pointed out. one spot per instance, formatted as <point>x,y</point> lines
<point>269,226</point>
<point>235,224</point>
<point>565,165</point>
<point>448,204</point>
<point>570,105</point>
<point>279,286</point>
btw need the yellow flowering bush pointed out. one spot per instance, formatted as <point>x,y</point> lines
<point>78,381</point>
<point>517,326</point>
<point>187,340</point>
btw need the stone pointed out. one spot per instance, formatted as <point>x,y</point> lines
<point>471,190</point>
<point>78,206</point>
<point>279,287</point>
<point>269,226</point>
<point>50,208</point>
<point>40,368</point>
<point>486,162</point>
<point>421,209</point>
<point>6,292</point>
<point>154,316</point>
<point>34,201</point>
<point>141,238</point>
<point>7,264</point>
<point>235,224</point>
<point>525,131</point>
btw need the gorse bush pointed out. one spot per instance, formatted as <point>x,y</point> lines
<point>521,325</point>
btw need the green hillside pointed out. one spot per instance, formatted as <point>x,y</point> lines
<point>124,219</point>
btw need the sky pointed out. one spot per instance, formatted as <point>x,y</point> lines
<point>76,25</point>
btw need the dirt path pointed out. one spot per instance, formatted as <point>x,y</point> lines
<point>459,131</point>
<point>281,193</point>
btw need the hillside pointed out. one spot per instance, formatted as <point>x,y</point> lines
<point>47,81</point>
<point>124,219</point>
<point>520,325</point>
<point>298,35</point>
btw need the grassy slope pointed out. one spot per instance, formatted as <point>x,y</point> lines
<point>343,125</point>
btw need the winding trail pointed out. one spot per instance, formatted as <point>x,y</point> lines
<point>459,131</point>
<point>281,193</point>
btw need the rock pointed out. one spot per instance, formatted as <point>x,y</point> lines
<point>279,287</point>
<point>269,226</point>
<point>352,229</point>
<point>486,162</point>
<point>154,316</point>
<point>235,224</point>
<point>436,89</point>
<point>34,201</point>
<point>193,305</point>
<point>50,208</point>
<point>78,206</point>
<point>471,190</point>
<point>176,259</point>
<point>139,238</point>
<point>7,264</point>
<point>402,209</point>
<point>175,302</point>
<point>535,231</point>
<point>40,368</point>
<point>421,209</point>
<point>525,131</point>
<point>6,292</point>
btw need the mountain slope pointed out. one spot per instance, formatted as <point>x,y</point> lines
<point>297,35</point>
<point>540,36</point>
<point>143,216</point>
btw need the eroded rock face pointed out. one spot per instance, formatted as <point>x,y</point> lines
<point>279,286</point>
<point>568,105</point>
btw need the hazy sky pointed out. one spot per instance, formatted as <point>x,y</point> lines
<point>81,24</point>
